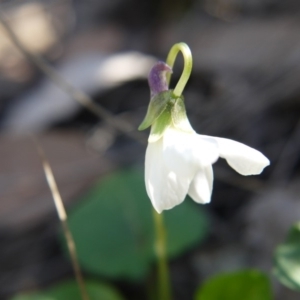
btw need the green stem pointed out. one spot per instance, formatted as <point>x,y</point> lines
<point>187,69</point>
<point>161,253</point>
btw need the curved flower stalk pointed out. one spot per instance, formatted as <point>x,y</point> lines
<point>178,160</point>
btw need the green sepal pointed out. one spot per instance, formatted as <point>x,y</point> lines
<point>156,107</point>
<point>179,117</point>
<point>161,124</point>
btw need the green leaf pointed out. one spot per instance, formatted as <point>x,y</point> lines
<point>287,259</point>
<point>245,285</point>
<point>113,227</point>
<point>69,290</point>
<point>156,107</point>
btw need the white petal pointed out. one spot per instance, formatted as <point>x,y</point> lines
<point>244,159</point>
<point>165,188</point>
<point>185,153</point>
<point>201,187</point>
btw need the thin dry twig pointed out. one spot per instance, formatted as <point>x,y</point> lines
<point>82,98</point>
<point>63,219</point>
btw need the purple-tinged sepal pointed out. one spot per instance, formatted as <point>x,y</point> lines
<point>157,78</point>
<point>165,109</point>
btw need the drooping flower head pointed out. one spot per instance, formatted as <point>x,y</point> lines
<point>178,160</point>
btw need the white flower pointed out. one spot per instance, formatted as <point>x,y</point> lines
<point>180,163</point>
<point>178,160</point>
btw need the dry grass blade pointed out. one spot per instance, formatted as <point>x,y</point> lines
<point>63,219</point>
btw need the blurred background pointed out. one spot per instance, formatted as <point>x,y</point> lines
<point>244,86</point>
